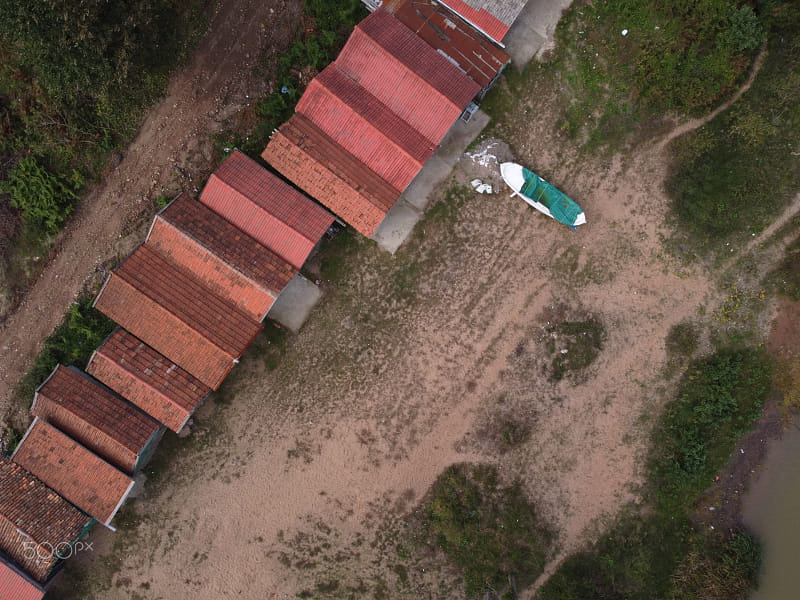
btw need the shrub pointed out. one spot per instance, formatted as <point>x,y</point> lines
<point>72,343</point>
<point>719,399</point>
<point>45,199</point>
<point>492,533</point>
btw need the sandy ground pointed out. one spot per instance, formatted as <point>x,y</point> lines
<point>172,152</point>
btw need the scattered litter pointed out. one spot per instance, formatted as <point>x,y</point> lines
<point>480,187</point>
<point>624,32</point>
<point>711,508</point>
<point>564,351</point>
<point>483,158</point>
<point>741,450</point>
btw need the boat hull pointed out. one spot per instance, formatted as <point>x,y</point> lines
<point>517,176</point>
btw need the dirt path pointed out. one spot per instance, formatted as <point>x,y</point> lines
<point>172,151</point>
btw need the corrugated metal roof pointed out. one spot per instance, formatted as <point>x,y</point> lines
<point>147,378</point>
<point>417,83</point>
<point>73,471</point>
<point>229,261</point>
<point>493,17</point>
<point>176,314</point>
<point>105,423</point>
<point>446,32</point>
<point>14,585</point>
<point>266,208</point>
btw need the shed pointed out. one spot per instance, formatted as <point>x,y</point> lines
<point>175,313</point>
<point>369,122</point>
<point>75,472</point>
<point>98,418</point>
<point>479,58</point>
<point>230,262</point>
<point>266,208</point>
<point>15,584</point>
<point>37,526</point>
<point>148,379</point>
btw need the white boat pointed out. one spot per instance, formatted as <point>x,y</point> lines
<point>542,195</point>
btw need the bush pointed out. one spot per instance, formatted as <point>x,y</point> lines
<point>719,399</point>
<point>682,340</point>
<point>45,199</point>
<point>72,343</point>
<point>492,533</point>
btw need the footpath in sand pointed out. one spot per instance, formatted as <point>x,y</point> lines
<point>171,151</point>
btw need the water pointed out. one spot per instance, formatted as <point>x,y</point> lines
<point>772,510</point>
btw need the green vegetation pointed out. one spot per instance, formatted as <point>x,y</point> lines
<point>270,345</point>
<point>654,551</point>
<point>83,329</point>
<point>786,277</point>
<point>735,174</point>
<point>573,346</point>
<point>680,57</point>
<point>333,21</point>
<point>492,533</point>
<point>74,81</point>
<point>720,398</point>
<point>682,340</point>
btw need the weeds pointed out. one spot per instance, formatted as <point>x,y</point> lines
<point>573,346</point>
<point>492,533</point>
<point>72,343</point>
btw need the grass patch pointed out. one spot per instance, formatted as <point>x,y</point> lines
<point>338,255</point>
<point>492,533</point>
<point>654,551</point>
<point>683,340</point>
<point>72,343</point>
<point>734,175</point>
<point>572,346</point>
<point>270,345</point>
<point>615,88</point>
<point>786,277</point>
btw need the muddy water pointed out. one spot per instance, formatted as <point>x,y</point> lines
<point>772,511</point>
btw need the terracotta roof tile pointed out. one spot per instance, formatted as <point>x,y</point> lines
<point>365,127</point>
<point>176,314</point>
<point>266,208</point>
<point>417,83</point>
<point>14,585</point>
<point>35,513</point>
<point>229,261</point>
<point>148,379</point>
<point>303,153</point>
<point>76,473</point>
<point>93,415</point>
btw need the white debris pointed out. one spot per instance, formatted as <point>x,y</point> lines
<point>483,158</point>
<point>624,32</point>
<point>480,187</point>
<point>564,351</point>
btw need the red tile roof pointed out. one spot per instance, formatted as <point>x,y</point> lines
<point>480,18</point>
<point>148,379</point>
<point>365,127</point>
<point>303,153</point>
<point>32,512</point>
<point>417,83</point>
<point>476,55</point>
<point>105,423</point>
<point>172,311</point>
<point>230,262</point>
<point>76,473</point>
<point>266,208</point>
<point>14,585</point>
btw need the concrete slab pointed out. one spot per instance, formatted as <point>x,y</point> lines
<point>532,34</point>
<point>295,302</point>
<point>399,221</point>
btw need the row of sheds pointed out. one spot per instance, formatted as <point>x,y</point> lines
<point>188,302</point>
<point>193,296</point>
